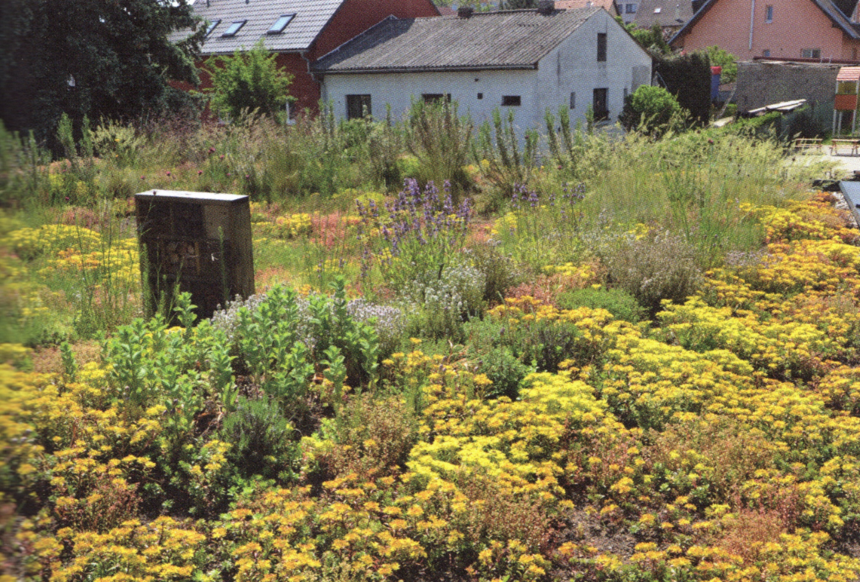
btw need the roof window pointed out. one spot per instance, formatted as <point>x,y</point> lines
<point>234,28</point>
<point>212,26</point>
<point>280,24</point>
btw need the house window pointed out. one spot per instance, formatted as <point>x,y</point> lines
<point>280,24</point>
<point>436,97</point>
<point>768,13</point>
<point>600,104</point>
<point>358,106</point>
<point>234,28</point>
<point>810,53</point>
<point>630,8</point>
<point>212,26</point>
<point>765,53</point>
<point>573,100</point>
<point>601,46</point>
<point>480,95</point>
<point>511,101</point>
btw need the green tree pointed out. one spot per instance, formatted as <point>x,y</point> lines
<point>517,4</point>
<point>249,81</point>
<point>650,38</point>
<point>726,60</point>
<point>95,58</point>
<point>649,110</point>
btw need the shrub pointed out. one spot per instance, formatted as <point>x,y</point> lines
<point>653,268</point>
<point>420,232</point>
<point>247,81</point>
<point>440,139</point>
<point>499,156</point>
<point>649,110</point>
<point>262,439</point>
<point>499,270</point>
<point>438,309</point>
<point>618,302</point>
<point>372,437</point>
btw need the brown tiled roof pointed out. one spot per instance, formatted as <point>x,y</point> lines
<point>311,17</point>
<point>608,5</point>
<point>515,39</point>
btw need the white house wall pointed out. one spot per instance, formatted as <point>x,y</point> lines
<point>572,67</point>
<point>477,93</point>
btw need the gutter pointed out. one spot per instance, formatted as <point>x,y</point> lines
<point>376,71</point>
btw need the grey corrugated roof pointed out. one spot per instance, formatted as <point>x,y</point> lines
<point>487,40</point>
<point>311,17</point>
<point>671,13</point>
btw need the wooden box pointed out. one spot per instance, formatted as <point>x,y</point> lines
<point>198,241</point>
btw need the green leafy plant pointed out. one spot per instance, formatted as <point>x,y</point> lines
<point>650,110</point>
<point>505,161</point>
<point>249,81</point>
<point>262,438</point>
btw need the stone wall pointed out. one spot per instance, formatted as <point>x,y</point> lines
<point>762,83</point>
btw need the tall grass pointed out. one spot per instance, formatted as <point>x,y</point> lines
<point>694,185</point>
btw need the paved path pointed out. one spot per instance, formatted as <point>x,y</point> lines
<point>847,164</point>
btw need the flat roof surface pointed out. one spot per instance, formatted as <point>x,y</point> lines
<point>851,191</point>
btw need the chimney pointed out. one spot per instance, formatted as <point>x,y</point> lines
<point>546,7</point>
<point>465,11</point>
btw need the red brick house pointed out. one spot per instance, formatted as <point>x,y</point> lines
<point>789,29</point>
<point>299,31</point>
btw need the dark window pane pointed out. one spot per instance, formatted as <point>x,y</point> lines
<point>600,107</point>
<point>358,106</point>
<point>601,46</point>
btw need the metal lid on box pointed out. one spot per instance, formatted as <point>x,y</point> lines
<point>195,197</point>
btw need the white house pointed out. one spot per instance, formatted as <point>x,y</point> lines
<point>520,60</point>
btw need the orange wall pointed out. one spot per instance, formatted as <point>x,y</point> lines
<point>797,24</point>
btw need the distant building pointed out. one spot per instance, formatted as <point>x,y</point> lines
<point>800,29</point>
<point>525,61</point>
<point>609,5</point>
<point>299,31</point>
<point>669,15</point>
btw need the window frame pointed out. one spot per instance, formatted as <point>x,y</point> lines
<point>289,18</point>
<point>814,53</point>
<point>602,47</point>
<point>362,101</point>
<point>768,14</point>
<point>211,27</point>
<point>436,97</point>
<point>604,114</point>
<point>234,28</point>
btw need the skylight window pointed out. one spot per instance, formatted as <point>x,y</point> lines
<point>234,28</point>
<point>280,24</point>
<point>212,26</point>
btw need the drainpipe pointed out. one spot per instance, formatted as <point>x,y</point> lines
<point>310,73</point>
<point>752,20</point>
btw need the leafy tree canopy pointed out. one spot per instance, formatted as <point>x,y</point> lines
<point>249,81</point>
<point>726,60</point>
<point>100,58</point>
<point>650,38</point>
